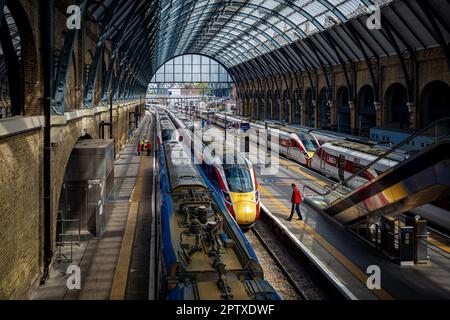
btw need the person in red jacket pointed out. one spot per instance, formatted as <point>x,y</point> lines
<point>139,148</point>
<point>296,201</point>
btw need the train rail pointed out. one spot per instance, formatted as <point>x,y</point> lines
<point>291,269</point>
<point>281,269</point>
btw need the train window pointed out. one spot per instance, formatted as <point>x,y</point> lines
<point>239,179</point>
<point>166,135</point>
<point>309,143</point>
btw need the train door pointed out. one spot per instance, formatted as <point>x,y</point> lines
<point>247,145</point>
<point>341,167</point>
<point>290,148</point>
<point>284,144</point>
<point>322,155</point>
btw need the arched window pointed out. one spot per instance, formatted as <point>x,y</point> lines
<point>196,79</point>
<point>10,61</point>
<point>435,100</point>
<point>343,111</point>
<point>397,110</point>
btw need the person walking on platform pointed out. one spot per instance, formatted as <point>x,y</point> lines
<point>149,148</point>
<point>296,201</point>
<point>139,148</point>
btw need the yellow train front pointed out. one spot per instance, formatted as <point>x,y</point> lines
<point>204,254</point>
<point>236,181</point>
<point>239,187</point>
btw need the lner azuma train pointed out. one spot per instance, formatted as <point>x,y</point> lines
<point>295,144</point>
<point>338,157</point>
<point>342,159</point>
<point>234,178</point>
<point>205,254</point>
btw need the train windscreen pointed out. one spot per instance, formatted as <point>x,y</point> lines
<point>166,134</point>
<point>308,141</point>
<point>239,179</point>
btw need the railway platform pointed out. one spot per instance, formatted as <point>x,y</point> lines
<point>343,254</point>
<point>115,265</point>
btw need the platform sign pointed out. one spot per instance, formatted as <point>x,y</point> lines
<point>206,124</point>
<point>245,126</point>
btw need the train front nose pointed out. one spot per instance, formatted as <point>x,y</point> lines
<point>245,213</point>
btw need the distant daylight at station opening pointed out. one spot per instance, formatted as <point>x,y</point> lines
<point>248,150</point>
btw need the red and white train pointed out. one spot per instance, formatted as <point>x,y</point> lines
<point>339,158</point>
<point>342,159</point>
<point>294,144</point>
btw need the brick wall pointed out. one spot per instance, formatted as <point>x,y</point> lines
<point>21,181</point>
<point>20,212</point>
<point>431,66</point>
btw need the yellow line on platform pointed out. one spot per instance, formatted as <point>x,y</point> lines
<point>119,286</point>
<point>349,265</point>
<point>298,168</point>
<point>439,244</point>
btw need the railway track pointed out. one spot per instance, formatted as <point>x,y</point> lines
<point>282,267</point>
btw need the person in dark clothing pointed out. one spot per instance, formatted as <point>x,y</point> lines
<point>296,201</point>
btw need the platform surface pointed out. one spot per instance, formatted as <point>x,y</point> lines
<point>114,266</point>
<point>347,256</point>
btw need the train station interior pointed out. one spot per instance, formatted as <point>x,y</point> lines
<point>224,150</point>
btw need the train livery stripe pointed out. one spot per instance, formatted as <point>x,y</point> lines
<point>349,265</point>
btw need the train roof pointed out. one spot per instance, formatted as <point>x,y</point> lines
<point>363,148</point>
<point>167,124</point>
<point>181,169</point>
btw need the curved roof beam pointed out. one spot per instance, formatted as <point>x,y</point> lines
<point>270,12</point>
<point>269,37</point>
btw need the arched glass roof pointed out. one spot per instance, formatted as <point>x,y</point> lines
<point>259,38</point>
<point>236,31</point>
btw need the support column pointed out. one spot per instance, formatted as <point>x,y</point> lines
<point>412,115</point>
<point>304,120</point>
<point>299,111</point>
<point>333,115</point>
<point>351,106</point>
<point>315,114</point>
<point>379,117</point>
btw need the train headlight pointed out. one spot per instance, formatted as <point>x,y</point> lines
<point>248,210</point>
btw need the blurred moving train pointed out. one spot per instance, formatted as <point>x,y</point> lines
<point>205,254</point>
<point>234,177</point>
